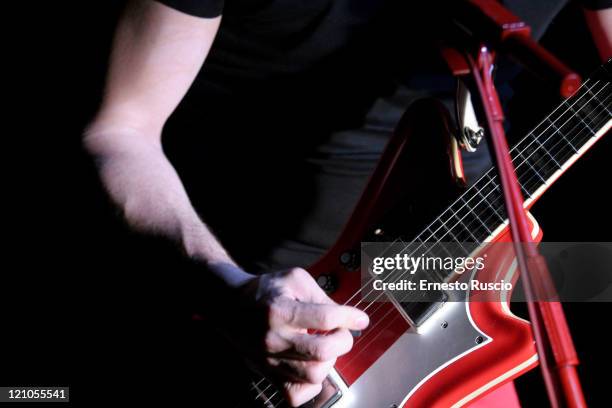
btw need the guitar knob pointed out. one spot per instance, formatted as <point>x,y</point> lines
<point>327,283</point>
<point>349,260</point>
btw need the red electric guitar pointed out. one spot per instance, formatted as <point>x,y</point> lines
<point>443,354</point>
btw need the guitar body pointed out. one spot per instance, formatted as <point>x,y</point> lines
<point>465,349</point>
<point>443,353</point>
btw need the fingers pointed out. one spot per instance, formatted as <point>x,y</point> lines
<point>326,317</point>
<point>317,311</point>
<point>323,347</point>
<point>316,356</point>
<point>304,346</point>
<point>311,308</point>
<point>295,305</point>
<point>309,347</point>
<point>307,289</point>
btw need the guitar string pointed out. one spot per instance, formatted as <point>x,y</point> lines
<point>381,319</point>
<point>377,329</point>
<point>487,174</point>
<point>480,220</point>
<point>485,221</point>
<point>444,224</point>
<point>536,175</point>
<point>471,190</point>
<point>445,234</point>
<point>489,170</point>
<point>268,400</point>
<point>456,211</point>
<point>594,97</point>
<point>262,392</point>
<point>478,181</point>
<point>531,133</point>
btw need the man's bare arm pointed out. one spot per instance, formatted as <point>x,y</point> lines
<point>156,55</point>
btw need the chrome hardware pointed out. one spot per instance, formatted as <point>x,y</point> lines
<point>471,138</point>
<point>470,133</point>
<point>350,260</point>
<point>327,283</point>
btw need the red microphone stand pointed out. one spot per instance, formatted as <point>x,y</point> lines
<point>487,22</point>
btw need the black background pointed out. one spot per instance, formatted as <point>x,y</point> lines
<point>86,304</point>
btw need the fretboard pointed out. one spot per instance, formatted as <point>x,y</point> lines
<point>539,159</point>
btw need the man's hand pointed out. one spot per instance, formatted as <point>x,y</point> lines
<point>156,55</point>
<point>284,306</point>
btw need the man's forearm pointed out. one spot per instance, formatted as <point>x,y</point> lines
<point>146,188</point>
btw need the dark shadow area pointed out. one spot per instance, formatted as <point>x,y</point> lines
<point>89,304</point>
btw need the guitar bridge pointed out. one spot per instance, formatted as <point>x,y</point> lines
<point>329,395</point>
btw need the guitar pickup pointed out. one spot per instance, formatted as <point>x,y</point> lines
<point>417,312</point>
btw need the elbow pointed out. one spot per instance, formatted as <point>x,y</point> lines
<point>106,137</point>
<point>122,126</point>
<point>90,141</point>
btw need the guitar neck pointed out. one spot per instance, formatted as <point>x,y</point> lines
<point>563,136</point>
<point>539,158</point>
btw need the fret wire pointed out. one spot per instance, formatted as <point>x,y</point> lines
<point>547,152</point>
<point>455,239</point>
<point>413,252</point>
<point>476,215</point>
<point>565,155</point>
<point>490,206</point>
<point>451,208</point>
<point>550,121</point>
<point>468,231</point>
<point>459,227</point>
<point>495,197</point>
<point>528,163</point>
<point>534,170</point>
<point>256,384</point>
<point>479,191</point>
<point>275,395</point>
<point>560,127</point>
<point>262,392</point>
<point>578,116</point>
<point>482,178</point>
<point>444,248</point>
<point>559,132</point>
<point>597,100</point>
<point>523,157</point>
<point>561,155</point>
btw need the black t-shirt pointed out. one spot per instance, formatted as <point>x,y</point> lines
<point>213,8</point>
<point>290,109</point>
<point>286,48</point>
<point>289,35</point>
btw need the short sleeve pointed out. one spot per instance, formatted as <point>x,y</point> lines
<point>596,4</point>
<point>198,8</point>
